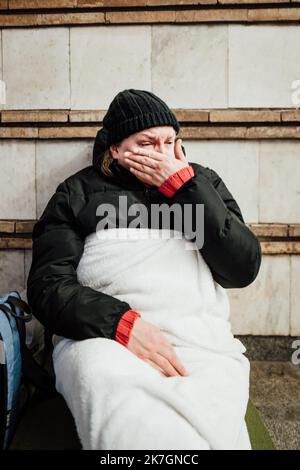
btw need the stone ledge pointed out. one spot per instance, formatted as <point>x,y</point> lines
<point>26,116</point>
<point>212,13</point>
<point>214,132</point>
<point>18,235</point>
<point>247,124</point>
<point>280,247</point>
<point>80,4</point>
<point>270,230</point>
<point>268,348</point>
<point>184,115</point>
<point>12,243</point>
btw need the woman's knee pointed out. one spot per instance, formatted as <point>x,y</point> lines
<point>150,424</point>
<point>97,362</point>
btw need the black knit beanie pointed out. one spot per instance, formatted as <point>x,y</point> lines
<point>132,111</point>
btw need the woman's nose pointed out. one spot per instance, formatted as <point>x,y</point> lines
<point>160,147</point>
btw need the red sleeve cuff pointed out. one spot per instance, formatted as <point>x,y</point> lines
<point>125,325</point>
<point>176,180</point>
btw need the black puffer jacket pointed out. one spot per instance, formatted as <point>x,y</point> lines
<point>69,309</point>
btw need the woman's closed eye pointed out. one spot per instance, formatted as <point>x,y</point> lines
<point>149,143</point>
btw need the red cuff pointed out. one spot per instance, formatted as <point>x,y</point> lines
<point>176,180</point>
<point>125,325</point>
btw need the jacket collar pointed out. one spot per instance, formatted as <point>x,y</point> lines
<point>125,177</point>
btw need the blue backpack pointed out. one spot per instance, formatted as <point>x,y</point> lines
<point>17,364</point>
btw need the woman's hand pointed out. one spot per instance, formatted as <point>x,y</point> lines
<point>148,343</point>
<point>153,167</point>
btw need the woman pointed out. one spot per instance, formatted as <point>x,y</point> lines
<point>143,351</point>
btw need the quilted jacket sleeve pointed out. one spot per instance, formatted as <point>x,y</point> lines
<point>231,249</point>
<point>57,299</point>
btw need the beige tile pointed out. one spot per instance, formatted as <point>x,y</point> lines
<point>263,63</point>
<point>236,162</point>
<point>2,83</point>
<point>106,60</point>
<point>189,65</point>
<point>11,271</point>
<point>1,54</point>
<point>295,298</point>
<point>17,179</point>
<point>55,161</point>
<point>279,186</point>
<point>263,308</point>
<point>41,78</point>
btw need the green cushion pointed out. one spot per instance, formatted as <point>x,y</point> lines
<point>259,436</point>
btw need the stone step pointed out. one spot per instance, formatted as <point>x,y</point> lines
<point>115,4</point>
<point>214,132</point>
<point>269,231</point>
<point>206,123</point>
<point>274,238</point>
<point>196,124</point>
<point>209,11</point>
<point>275,391</point>
<point>184,115</point>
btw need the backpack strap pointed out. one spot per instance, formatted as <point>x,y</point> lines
<point>26,313</point>
<point>31,369</point>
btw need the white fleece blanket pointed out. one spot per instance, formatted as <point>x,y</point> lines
<point>120,401</point>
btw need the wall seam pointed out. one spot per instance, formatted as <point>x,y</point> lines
<point>35,178</point>
<point>227,68</point>
<point>151,59</point>
<point>290,295</point>
<point>70,82</point>
<point>258,181</point>
<point>1,38</point>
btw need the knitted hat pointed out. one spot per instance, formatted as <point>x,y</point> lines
<point>132,111</point>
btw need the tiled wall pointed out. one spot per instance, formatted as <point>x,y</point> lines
<point>189,66</point>
<point>263,176</point>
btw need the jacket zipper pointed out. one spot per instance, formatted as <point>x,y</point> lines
<point>147,196</point>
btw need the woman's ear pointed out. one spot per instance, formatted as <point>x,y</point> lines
<point>183,149</point>
<point>113,150</point>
